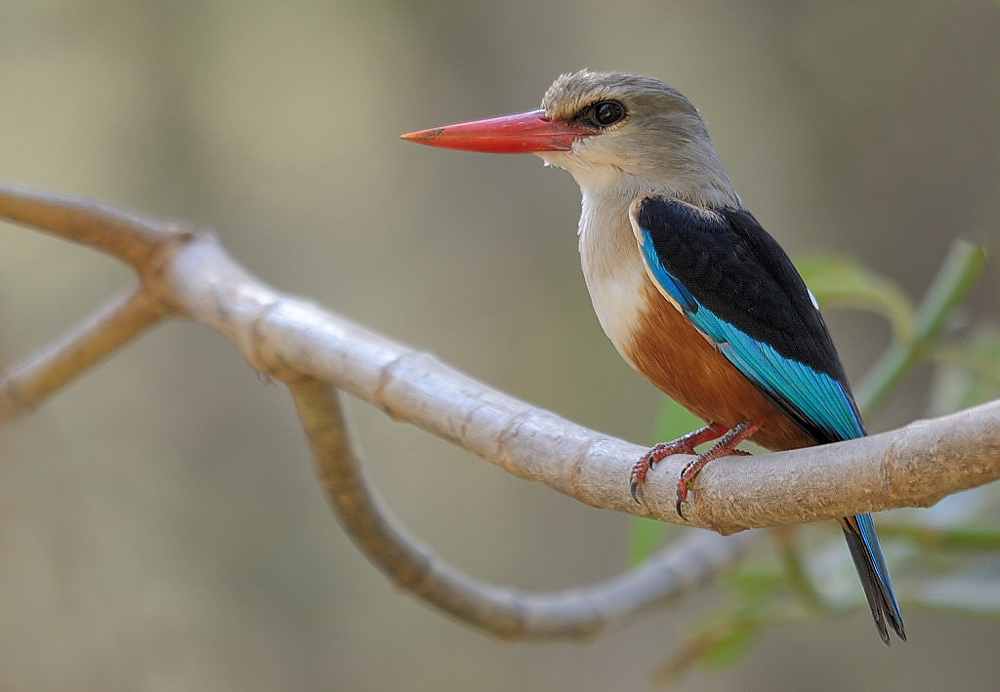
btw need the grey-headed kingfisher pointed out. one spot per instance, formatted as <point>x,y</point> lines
<point>691,290</point>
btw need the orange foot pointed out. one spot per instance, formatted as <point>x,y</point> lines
<point>726,445</point>
<point>682,445</point>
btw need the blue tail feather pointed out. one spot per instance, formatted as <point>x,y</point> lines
<point>868,560</point>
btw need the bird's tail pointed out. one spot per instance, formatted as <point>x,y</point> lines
<point>863,542</point>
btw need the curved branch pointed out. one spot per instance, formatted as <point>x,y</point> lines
<point>506,612</point>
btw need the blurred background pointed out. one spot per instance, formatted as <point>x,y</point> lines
<point>160,525</point>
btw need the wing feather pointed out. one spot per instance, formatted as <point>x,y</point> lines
<point>737,286</point>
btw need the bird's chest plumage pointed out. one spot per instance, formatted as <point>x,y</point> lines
<point>658,340</point>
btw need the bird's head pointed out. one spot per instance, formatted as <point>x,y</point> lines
<point>609,130</point>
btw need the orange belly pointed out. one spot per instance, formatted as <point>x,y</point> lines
<point>672,354</point>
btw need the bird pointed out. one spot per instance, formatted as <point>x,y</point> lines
<point>692,291</point>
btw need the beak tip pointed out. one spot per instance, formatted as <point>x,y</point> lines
<point>422,136</point>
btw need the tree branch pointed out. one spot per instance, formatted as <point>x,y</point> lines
<point>286,338</point>
<point>122,234</point>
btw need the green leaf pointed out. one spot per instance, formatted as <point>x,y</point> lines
<point>647,536</point>
<point>753,586</point>
<point>715,646</point>
<point>966,374</point>
<point>674,421</point>
<point>842,282</point>
<point>968,538</point>
<point>727,649</point>
<point>958,275</point>
<point>985,364</point>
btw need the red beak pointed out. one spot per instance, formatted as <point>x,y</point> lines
<point>524,133</point>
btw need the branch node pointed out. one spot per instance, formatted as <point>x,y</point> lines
<point>388,375</point>
<point>265,361</point>
<point>506,435</point>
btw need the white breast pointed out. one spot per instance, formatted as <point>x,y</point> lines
<point>612,267</point>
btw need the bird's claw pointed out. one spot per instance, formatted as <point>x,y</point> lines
<point>638,476</point>
<point>681,498</point>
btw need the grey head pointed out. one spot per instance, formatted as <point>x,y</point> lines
<point>648,137</point>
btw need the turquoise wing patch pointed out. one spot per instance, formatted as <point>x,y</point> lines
<point>812,397</point>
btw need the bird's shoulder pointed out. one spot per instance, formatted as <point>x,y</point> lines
<point>721,259</point>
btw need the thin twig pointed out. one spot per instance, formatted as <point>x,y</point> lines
<point>961,269</point>
<point>109,328</point>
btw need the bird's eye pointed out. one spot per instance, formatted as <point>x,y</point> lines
<point>607,113</point>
